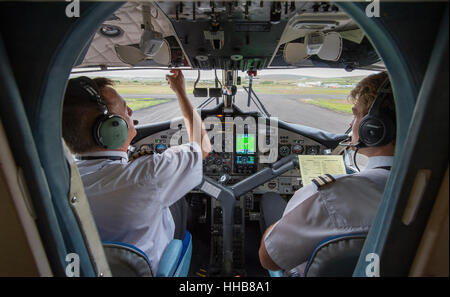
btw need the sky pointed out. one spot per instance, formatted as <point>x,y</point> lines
<point>192,74</point>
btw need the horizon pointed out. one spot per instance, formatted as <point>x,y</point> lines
<point>209,74</point>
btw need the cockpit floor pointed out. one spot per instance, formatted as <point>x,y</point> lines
<point>201,250</point>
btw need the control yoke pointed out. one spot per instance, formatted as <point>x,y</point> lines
<point>227,196</point>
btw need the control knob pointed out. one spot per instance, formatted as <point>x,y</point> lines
<point>224,179</point>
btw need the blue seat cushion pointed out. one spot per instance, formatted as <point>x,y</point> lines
<point>185,258</point>
<point>170,258</point>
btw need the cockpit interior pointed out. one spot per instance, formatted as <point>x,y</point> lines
<point>253,152</point>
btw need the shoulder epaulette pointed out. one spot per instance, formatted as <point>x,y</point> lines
<point>323,180</point>
<point>140,154</point>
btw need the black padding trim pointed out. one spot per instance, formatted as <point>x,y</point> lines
<point>331,177</point>
<point>335,257</point>
<point>126,262</point>
<point>316,183</point>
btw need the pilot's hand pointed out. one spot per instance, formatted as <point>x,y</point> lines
<point>176,81</point>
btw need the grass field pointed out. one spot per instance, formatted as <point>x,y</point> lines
<point>333,104</point>
<point>140,103</point>
<point>140,89</point>
<point>287,87</point>
<point>293,89</point>
<point>280,88</point>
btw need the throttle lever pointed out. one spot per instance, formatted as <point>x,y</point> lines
<point>291,158</point>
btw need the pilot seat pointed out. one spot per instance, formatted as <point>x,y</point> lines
<point>333,257</point>
<point>126,260</point>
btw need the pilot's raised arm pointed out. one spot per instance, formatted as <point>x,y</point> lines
<point>194,125</point>
<point>334,205</point>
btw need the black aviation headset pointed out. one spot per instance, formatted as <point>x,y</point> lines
<point>377,127</point>
<point>110,131</point>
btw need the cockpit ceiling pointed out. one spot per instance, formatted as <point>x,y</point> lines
<point>238,35</point>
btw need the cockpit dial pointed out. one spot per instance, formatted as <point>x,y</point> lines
<point>160,148</point>
<point>284,150</point>
<point>298,149</point>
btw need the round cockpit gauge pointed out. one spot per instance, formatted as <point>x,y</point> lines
<point>284,150</point>
<point>210,161</point>
<point>298,149</point>
<point>313,150</point>
<point>146,147</point>
<point>160,148</point>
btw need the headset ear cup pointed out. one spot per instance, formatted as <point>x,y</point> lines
<point>371,131</point>
<point>376,131</point>
<point>111,131</point>
<point>390,132</point>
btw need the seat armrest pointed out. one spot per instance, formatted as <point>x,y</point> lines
<point>169,259</point>
<point>185,261</point>
<point>277,273</point>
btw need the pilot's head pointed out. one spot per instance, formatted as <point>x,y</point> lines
<point>378,135</point>
<point>83,109</point>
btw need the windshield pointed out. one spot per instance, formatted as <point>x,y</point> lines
<point>312,97</point>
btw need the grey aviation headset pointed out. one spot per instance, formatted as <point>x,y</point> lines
<point>377,127</point>
<point>110,131</point>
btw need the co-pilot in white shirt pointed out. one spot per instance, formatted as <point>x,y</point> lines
<point>130,200</point>
<point>346,206</point>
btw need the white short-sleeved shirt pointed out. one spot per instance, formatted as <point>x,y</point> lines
<point>346,206</point>
<point>130,200</point>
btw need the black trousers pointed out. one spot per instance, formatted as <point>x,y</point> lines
<point>272,206</point>
<point>180,212</point>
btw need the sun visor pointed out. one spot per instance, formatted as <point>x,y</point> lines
<point>133,55</point>
<point>355,36</point>
<point>151,42</point>
<point>331,48</point>
<point>163,56</point>
<point>294,53</point>
<point>314,42</point>
<point>129,54</point>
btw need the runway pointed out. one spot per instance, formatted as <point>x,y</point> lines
<point>288,108</point>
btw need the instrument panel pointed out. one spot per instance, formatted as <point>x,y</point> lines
<point>236,151</point>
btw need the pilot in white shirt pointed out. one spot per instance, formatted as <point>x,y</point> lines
<point>140,201</point>
<point>335,205</point>
<point>130,200</point>
<point>346,204</point>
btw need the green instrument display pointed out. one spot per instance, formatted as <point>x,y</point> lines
<point>245,144</point>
